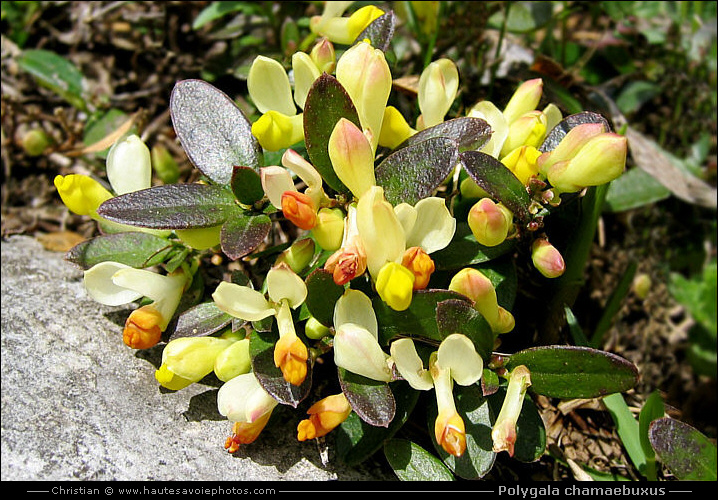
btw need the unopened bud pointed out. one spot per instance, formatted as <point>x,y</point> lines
<point>547,259</point>
<point>600,161</point>
<point>233,361</point>
<point>525,99</point>
<point>314,330</point>
<point>164,164</point>
<point>527,130</point>
<point>35,142</point>
<point>329,229</point>
<point>298,256</point>
<point>490,222</point>
<point>475,285</point>
<point>129,165</point>
<point>324,56</point>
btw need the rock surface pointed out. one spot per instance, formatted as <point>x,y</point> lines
<point>77,404</point>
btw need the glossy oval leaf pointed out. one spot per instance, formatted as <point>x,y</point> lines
<point>418,320</point>
<point>243,232</point>
<point>468,133</point>
<point>247,185</point>
<point>413,173</point>
<point>464,250</point>
<point>356,440</point>
<point>411,462</point>
<point>379,32</point>
<point>479,457</point>
<point>201,320</point>
<point>213,131</point>
<point>554,137</point>
<point>575,372</point>
<point>55,73</point>
<point>171,206</point>
<point>327,102</point>
<point>261,352</point>
<point>498,181</point>
<point>688,454</point>
<point>373,401</point>
<point>322,295</point>
<point>459,316</point>
<point>134,249</point>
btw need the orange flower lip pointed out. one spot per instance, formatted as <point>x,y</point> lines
<point>299,208</point>
<point>142,329</point>
<point>290,356</point>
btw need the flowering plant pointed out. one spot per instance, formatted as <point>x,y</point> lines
<point>386,250</point>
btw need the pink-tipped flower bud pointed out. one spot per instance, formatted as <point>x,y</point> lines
<point>527,130</point>
<point>547,259</point>
<point>600,161</point>
<point>490,222</point>
<point>324,56</point>
<point>525,99</point>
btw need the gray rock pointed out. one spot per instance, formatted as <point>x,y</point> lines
<point>77,404</point>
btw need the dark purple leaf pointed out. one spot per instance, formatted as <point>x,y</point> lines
<point>413,173</point>
<point>242,233</point>
<point>373,401</point>
<point>172,206</point>
<point>469,133</point>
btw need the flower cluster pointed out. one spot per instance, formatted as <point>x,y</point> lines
<point>368,273</point>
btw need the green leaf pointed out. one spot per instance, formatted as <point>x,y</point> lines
<point>216,10</point>
<point>373,401</point>
<point>459,316</point>
<point>699,295</point>
<point>419,320</point>
<point>261,352</point>
<point>559,131</point>
<point>379,32</point>
<point>171,206</point>
<point>635,94</point>
<point>201,320</point>
<point>134,249</point>
<point>523,17</point>
<point>56,73</point>
<point>213,131</point>
<point>411,462</point>
<point>356,440</point>
<point>247,185</point>
<point>575,372</point>
<point>653,409</point>
<point>530,430</point>
<point>627,428</point>
<point>465,251</point>
<point>243,232</point>
<point>101,126</point>
<point>634,188</point>
<point>322,295</point>
<point>413,173</point>
<point>468,133</point>
<point>688,454</point>
<point>498,181</point>
<point>327,102</point>
<point>478,459</point>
